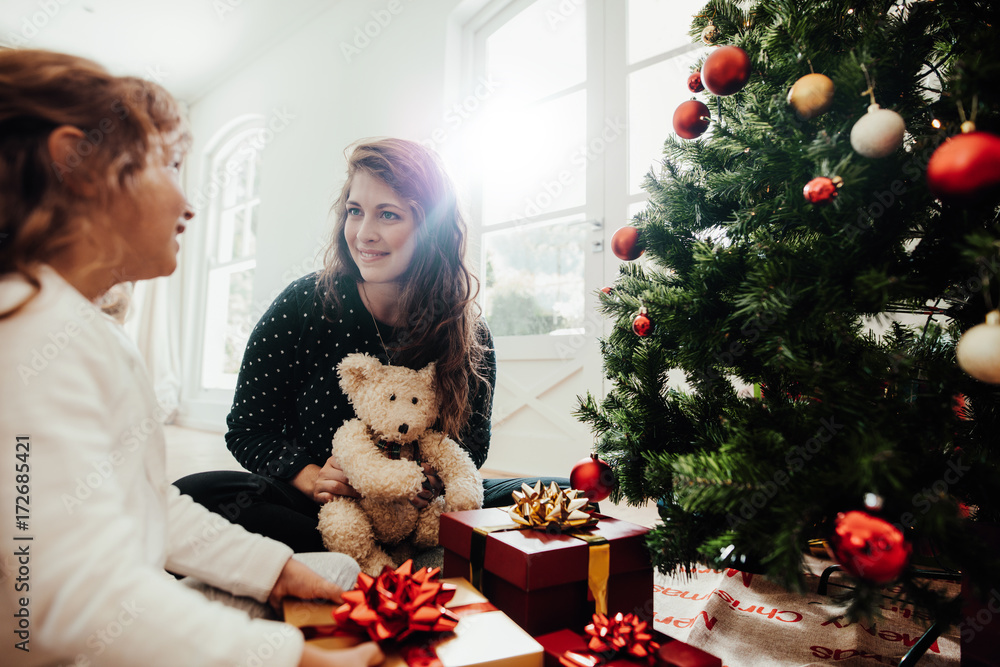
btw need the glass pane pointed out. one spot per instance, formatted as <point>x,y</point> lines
<point>239,232</point>
<point>540,51</point>
<point>237,319</point>
<point>658,26</point>
<point>255,165</point>
<point>251,247</point>
<point>233,176</point>
<point>535,161</point>
<point>534,280</point>
<point>654,93</point>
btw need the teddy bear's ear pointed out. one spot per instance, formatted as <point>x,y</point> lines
<point>355,370</point>
<point>427,373</point>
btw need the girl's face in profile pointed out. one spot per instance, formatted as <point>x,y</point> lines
<point>149,218</point>
<point>380,230</point>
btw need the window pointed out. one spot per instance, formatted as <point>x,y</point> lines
<point>234,187</point>
<point>586,92</point>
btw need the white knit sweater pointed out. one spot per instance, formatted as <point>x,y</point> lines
<point>84,582</point>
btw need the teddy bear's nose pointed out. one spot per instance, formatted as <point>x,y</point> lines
<point>403,428</point>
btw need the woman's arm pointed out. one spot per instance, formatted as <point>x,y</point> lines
<point>264,404</point>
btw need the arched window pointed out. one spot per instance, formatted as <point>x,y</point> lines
<point>232,194</point>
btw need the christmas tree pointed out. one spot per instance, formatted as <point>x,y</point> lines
<point>808,277</point>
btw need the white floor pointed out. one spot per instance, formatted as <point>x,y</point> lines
<point>190,451</point>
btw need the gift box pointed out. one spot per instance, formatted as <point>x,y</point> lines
<point>484,636</point>
<point>540,577</point>
<point>671,652</point>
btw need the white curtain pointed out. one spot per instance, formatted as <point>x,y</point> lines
<point>155,332</point>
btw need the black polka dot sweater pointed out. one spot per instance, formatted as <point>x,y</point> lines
<point>288,402</point>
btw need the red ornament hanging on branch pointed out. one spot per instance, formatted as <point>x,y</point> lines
<point>870,548</point>
<point>625,243</point>
<point>726,70</point>
<point>642,326</point>
<point>593,477</point>
<point>694,82</point>
<point>691,119</point>
<point>966,167</point>
<point>821,189</point>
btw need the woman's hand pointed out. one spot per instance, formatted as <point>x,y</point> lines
<point>322,484</point>
<point>298,580</point>
<point>432,489</point>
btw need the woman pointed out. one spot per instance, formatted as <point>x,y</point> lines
<point>89,168</point>
<point>395,285</point>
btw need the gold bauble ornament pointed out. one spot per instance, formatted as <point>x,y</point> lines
<point>710,34</point>
<point>811,95</point>
<point>978,351</point>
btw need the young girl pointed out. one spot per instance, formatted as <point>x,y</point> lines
<point>395,285</point>
<point>89,180</point>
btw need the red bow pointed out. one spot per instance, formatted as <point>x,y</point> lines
<point>622,636</point>
<point>397,603</point>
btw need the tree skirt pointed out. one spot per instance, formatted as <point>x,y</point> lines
<point>747,620</point>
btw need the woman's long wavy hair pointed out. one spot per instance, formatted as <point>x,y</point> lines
<point>124,120</point>
<point>438,291</point>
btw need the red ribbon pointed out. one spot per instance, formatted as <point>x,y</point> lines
<point>397,603</point>
<point>624,636</point>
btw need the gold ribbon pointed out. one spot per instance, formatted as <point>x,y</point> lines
<point>548,509</point>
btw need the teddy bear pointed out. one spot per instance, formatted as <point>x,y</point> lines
<point>381,452</point>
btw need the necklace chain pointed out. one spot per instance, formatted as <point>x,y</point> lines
<point>388,357</point>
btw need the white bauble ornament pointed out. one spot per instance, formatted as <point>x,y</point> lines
<point>878,133</point>
<point>978,351</point>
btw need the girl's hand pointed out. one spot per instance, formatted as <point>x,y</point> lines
<point>298,580</point>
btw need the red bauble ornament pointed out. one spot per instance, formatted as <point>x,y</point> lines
<point>870,548</point>
<point>691,119</point>
<point>694,82</point>
<point>641,324</point>
<point>625,243</point>
<point>821,189</point>
<point>965,167</point>
<point>726,70</point>
<point>593,477</point>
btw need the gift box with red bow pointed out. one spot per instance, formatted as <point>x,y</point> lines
<point>620,641</point>
<point>418,619</point>
<point>552,578</point>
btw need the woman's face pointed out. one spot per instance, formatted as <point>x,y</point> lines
<point>380,230</point>
<point>149,218</point>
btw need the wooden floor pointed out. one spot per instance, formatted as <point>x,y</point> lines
<point>190,451</point>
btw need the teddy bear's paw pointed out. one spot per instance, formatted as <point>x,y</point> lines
<point>375,561</point>
<point>428,525</point>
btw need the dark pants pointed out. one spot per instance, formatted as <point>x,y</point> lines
<point>278,510</point>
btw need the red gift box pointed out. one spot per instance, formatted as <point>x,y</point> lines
<point>672,653</point>
<point>539,578</point>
